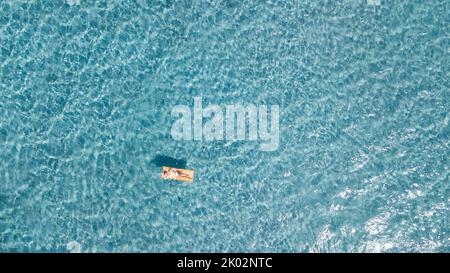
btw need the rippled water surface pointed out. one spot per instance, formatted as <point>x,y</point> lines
<point>86,90</point>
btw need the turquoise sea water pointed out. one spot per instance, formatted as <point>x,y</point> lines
<point>86,90</point>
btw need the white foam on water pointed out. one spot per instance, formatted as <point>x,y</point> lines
<point>73,2</point>
<point>377,224</point>
<point>378,247</point>
<point>373,2</point>
<point>287,173</point>
<point>73,247</point>
<point>336,207</point>
<point>323,238</point>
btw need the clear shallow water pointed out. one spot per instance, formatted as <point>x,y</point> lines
<point>85,97</point>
